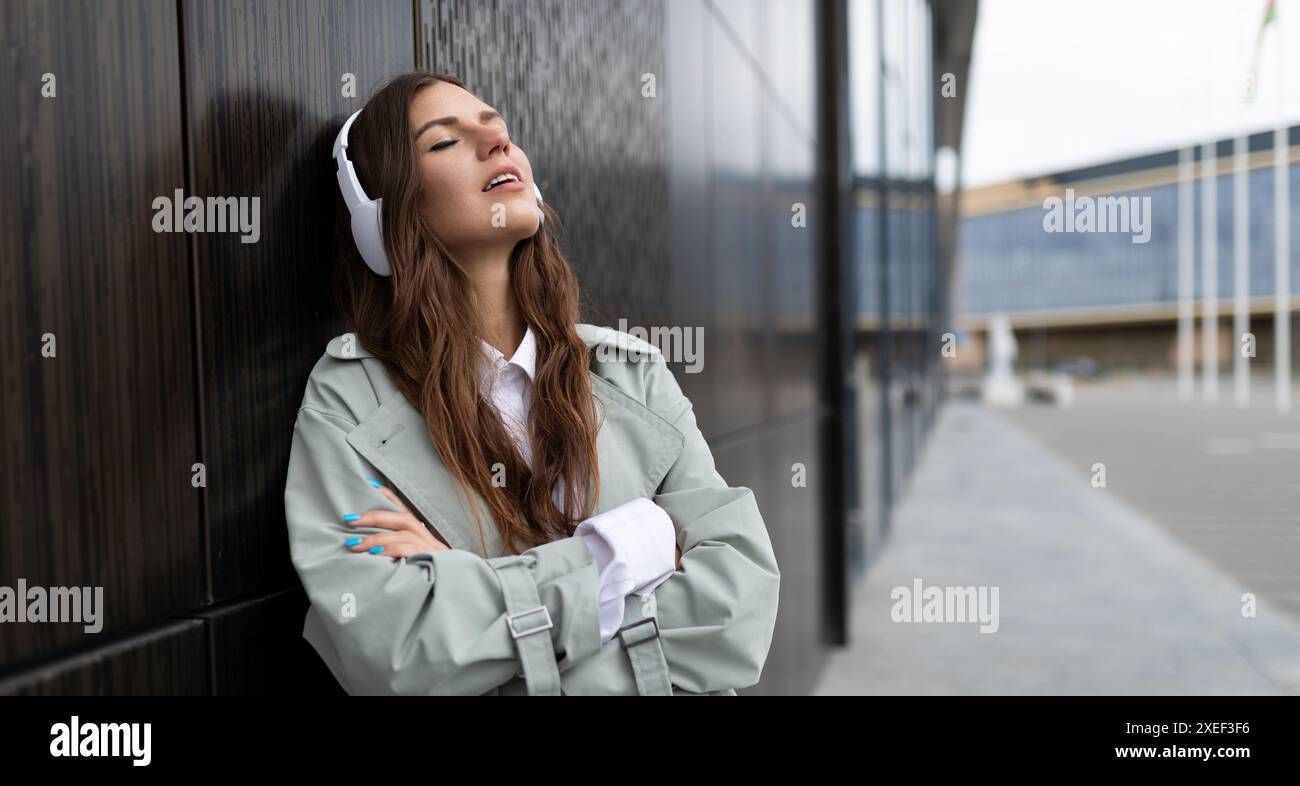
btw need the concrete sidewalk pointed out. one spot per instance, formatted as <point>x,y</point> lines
<point>1093,597</point>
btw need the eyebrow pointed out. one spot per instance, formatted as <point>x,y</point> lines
<point>452,120</point>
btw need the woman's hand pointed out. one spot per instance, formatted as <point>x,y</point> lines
<point>409,535</point>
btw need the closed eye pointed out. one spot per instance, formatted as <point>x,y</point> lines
<point>444,144</point>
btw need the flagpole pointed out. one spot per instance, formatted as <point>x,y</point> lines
<point>1209,275</point>
<point>1241,270</point>
<point>1186,272</point>
<point>1281,243</point>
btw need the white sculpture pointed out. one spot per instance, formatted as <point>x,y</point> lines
<point>1001,388</point>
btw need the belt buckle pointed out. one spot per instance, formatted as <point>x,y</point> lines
<point>654,621</point>
<point>547,625</point>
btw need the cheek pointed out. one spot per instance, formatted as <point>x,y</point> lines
<point>439,197</point>
<point>433,186</point>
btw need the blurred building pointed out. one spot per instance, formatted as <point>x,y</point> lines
<point>1100,298</point>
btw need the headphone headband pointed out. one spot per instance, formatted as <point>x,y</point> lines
<point>349,184</point>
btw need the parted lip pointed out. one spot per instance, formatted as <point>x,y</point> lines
<point>502,170</point>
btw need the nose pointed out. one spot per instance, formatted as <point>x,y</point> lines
<point>496,138</point>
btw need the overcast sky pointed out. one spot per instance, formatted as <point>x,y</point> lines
<point>1057,84</point>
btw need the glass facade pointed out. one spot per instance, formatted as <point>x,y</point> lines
<point>894,253</point>
<point>1008,263</point>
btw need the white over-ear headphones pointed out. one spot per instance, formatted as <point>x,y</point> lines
<point>366,212</point>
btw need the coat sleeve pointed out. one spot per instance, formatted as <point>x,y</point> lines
<point>717,613</point>
<point>432,623</point>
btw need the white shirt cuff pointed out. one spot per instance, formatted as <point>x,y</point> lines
<point>635,549</point>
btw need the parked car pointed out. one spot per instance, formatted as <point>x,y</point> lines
<point>1079,367</point>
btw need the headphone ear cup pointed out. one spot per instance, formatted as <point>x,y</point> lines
<point>541,214</point>
<point>366,231</point>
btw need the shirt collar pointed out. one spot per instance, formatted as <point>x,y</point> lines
<point>525,356</point>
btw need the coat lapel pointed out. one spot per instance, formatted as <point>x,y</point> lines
<point>635,447</point>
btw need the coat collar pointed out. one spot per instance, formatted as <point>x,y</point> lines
<point>635,447</point>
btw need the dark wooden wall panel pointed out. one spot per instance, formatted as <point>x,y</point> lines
<point>264,97</point>
<point>179,348</point>
<point>96,443</point>
<point>169,661</point>
<point>257,649</point>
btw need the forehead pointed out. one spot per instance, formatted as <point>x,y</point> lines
<point>441,99</point>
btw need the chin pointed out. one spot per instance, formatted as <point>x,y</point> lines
<point>524,222</point>
<point>516,230</point>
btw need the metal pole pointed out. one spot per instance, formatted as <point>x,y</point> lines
<point>1186,272</point>
<point>1209,276</point>
<point>1241,271</point>
<point>1281,246</point>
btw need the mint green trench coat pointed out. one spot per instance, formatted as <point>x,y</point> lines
<point>473,621</point>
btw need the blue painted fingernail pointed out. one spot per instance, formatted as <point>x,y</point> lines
<point>352,541</point>
<point>351,517</point>
<point>374,483</point>
<point>376,549</point>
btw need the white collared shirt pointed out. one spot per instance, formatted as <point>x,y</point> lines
<point>634,545</point>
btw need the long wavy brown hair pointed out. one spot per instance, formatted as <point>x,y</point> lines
<point>422,324</point>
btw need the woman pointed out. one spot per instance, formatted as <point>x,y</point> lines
<point>466,524</point>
